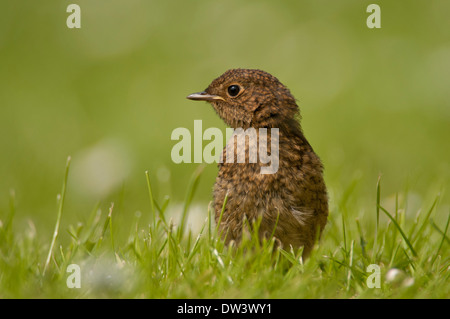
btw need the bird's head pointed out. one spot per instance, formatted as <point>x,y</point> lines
<point>250,98</point>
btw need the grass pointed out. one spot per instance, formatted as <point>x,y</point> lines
<point>166,259</point>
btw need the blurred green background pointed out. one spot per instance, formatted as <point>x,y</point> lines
<point>373,101</point>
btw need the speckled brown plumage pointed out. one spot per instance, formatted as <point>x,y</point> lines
<point>296,194</point>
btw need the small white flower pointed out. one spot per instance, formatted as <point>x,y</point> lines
<point>408,282</point>
<point>393,275</point>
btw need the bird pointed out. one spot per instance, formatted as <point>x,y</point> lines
<point>291,204</point>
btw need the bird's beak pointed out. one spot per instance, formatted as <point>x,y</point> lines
<point>203,96</point>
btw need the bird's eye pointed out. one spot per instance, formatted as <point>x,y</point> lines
<point>233,90</point>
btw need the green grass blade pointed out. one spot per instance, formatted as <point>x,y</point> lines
<point>362,240</point>
<point>377,223</point>
<point>344,232</point>
<point>12,210</point>
<point>150,195</point>
<point>193,184</point>
<point>108,224</point>
<point>221,213</point>
<point>58,218</point>
<point>444,236</point>
<point>443,233</point>
<point>420,231</point>
<point>400,230</point>
<point>349,273</point>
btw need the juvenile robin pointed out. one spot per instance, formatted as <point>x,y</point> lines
<point>291,202</point>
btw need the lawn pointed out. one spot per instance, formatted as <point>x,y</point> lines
<point>393,257</point>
